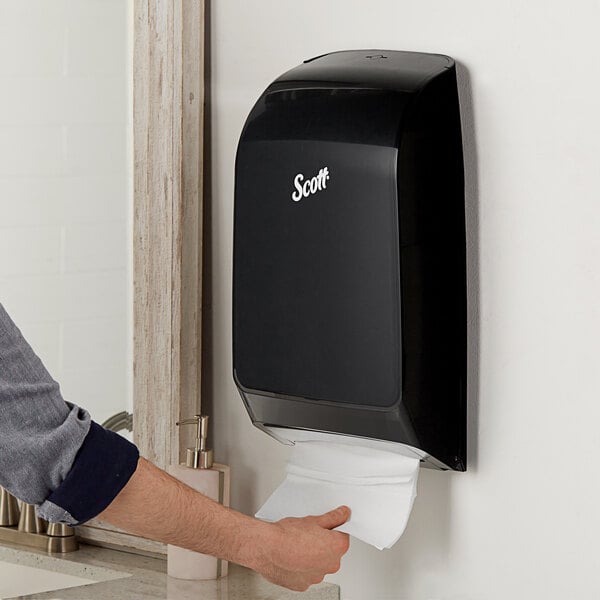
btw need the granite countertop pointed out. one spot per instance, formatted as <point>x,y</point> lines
<point>137,577</point>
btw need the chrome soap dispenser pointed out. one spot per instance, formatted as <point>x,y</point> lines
<point>210,479</point>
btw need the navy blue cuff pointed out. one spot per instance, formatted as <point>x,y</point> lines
<point>104,464</point>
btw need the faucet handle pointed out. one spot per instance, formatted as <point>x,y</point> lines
<point>29,522</point>
<point>59,530</point>
<point>9,509</point>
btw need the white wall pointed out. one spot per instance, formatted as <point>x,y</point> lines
<point>523,522</point>
<point>65,190</point>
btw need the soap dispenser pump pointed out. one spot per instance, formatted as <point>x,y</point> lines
<point>201,473</point>
<point>199,457</point>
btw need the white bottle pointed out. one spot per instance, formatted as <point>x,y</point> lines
<point>212,480</point>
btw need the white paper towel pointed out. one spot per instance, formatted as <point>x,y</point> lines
<point>379,486</point>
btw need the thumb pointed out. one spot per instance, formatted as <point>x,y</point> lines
<point>334,518</point>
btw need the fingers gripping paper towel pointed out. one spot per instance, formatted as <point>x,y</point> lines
<point>379,486</point>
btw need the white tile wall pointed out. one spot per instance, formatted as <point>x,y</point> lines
<point>33,250</point>
<point>31,150</point>
<point>39,100</point>
<point>103,387</point>
<point>93,343</point>
<point>65,187</point>
<point>96,37</point>
<point>96,149</point>
<point>43,201</point>
<point>33,37</point>
<point>87,247</point>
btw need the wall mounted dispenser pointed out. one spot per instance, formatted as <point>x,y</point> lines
<point>349,309</point>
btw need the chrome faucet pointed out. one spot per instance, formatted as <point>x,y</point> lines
<point>25,528</point>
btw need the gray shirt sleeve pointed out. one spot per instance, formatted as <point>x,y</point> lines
<point>47,449</point>
<point>40,433</point>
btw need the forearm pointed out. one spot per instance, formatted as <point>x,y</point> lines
<point>157,506</point>
<point>292,552</point>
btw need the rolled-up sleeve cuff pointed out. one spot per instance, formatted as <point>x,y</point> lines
<point>104,464</point>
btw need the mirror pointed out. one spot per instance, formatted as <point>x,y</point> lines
<point>101,267</point>
<point>66,192</point>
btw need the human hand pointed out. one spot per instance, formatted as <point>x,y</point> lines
<point>301,551</point>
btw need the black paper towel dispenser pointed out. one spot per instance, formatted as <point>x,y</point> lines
<point>349,303</point>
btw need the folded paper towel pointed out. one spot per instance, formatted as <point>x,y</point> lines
<point>379,486</point>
